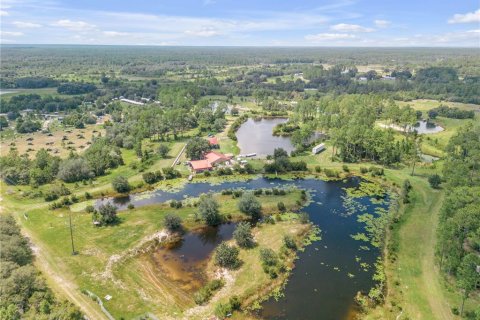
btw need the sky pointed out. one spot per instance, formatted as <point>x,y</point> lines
<point>363,23</point>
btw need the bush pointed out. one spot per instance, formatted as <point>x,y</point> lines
<point>345,168</point>
<point>163,150</point>
<point>152,177</point>
<point>172,222</point>
<point>270,262</point>
<point>203,295</point>
<point>171,173</point>
<point>281,207</point>
<point>224,310</point>
<point>89,208</point>
<point>289,242</point>
<point>131,206</point>
<point>258,192</point>
<point>227,256</point>
<point>106,214</point>
<point>435,180</point>
<point>250,205</point>
<point>243,235</point>
<point>331,173</point>
<point>376,171</point>
<point>363,170</point>
<point>318,169</point>
<point>303,217</point>
<point>120,184</point>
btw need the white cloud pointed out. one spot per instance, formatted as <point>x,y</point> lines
<point>11,33</point>
<point>328,36</point>
<point>344,27</point>
<point>203,32</point>
<point>115,33</point>
<point>3,13</point>
<point>74,25</point>
<point>382,23</point>
<point>22,24</point>
<point>465,18</point>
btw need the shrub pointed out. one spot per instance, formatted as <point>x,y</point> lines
<point>435,180</point>
<point>345,168</point>
<point>376,171</point>
<point>171,173</point>
<point>250,205</point>
<point>223,310</point>
<point>131,206</point>
<point>318,169</point>
<point>303,217</point>
<point>289,242</point>
<point>163,150</point>
<point>89,208</point>
<point>106,214</point>
<point>203,295</point>
<point>363,170</point>
<point>172,222</point>
<point>152,177</point>
<point>258,192</point>
<point>270,263</point>
<point>243,235</point>
<point>331,173</point>
<point>120,184</point>
<point>281,207</point>
<point>227,256</point>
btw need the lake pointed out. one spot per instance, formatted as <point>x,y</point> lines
<point>328,273</point>
<point>256,136</point>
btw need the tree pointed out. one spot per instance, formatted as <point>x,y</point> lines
<point>196,147</point>
<point>227,256</point>
<point>163,150</point>
<point>3,122</point>
<point>106,214</point>
<point>435,180</point>
<point>208,209</point>
<point>172,222</point>
<point>468,277</point>
<point>243,235</point>
<point>120,184</point>
<point>250,205</point>
<point>75,169</point>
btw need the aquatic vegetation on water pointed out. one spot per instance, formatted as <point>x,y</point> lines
<point>366,189</point>
<point>351,206</point>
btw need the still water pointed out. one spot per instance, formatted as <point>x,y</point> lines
<point>255,136</point>
<point>327,275</point>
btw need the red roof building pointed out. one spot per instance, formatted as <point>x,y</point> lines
<point>214,157</point>
<point>200,165</point>
<point>213,141</point>
<point>211,158</point>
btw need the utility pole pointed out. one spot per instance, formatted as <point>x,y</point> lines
<point>71,234</point>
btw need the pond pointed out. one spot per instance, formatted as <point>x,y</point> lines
<point>256,136</point>
<point>424,127</point>
<point>328,273</point>
<point>184,261</point>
